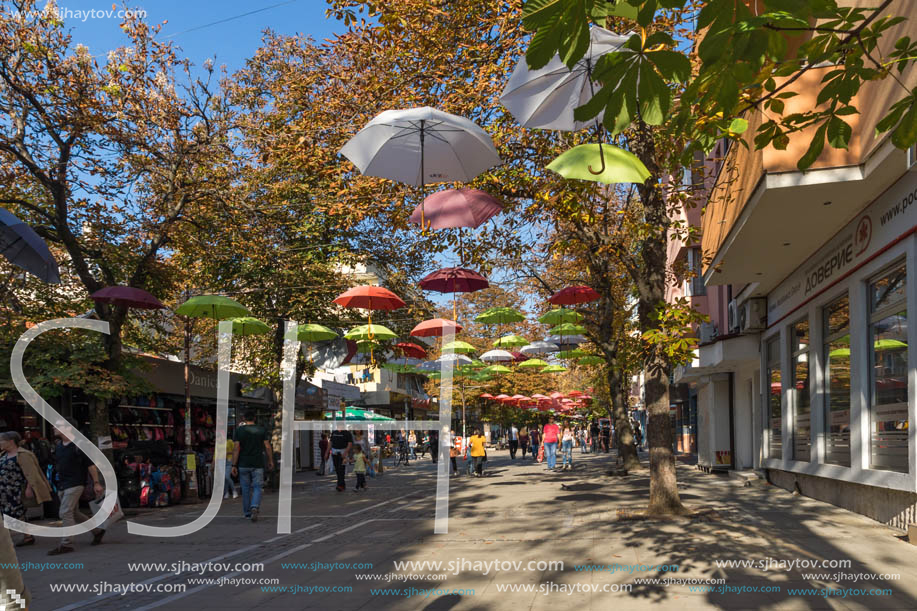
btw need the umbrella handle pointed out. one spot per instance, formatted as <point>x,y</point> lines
<point>602,158</point>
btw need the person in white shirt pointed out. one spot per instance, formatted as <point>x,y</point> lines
<point>513,436</point>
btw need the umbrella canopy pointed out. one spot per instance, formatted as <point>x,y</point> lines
<point>559,316</point>
<point>247,325</point>
<point>568,328</point>
<point>486,395</point>
<point>616,164</point>
<point>590,359</point>
<point>367,347</point>
<point>496,356</point>
<point>216,307</point>
<point>575,393</point>
<point>573,294</point>
<point>369,298</point>
<point>510,341</point>
<point>400,367</point>
<point>312,332</point>
<point>412,350</point>
<point>419,146</point>
<point>459,346</point>
<point>498,369</point>
<point>554,369</point>
<point>370,332</point>
<point>453,208</point>
<point>518,356</point>
<point>571,354</point>
<point>565,340</point>
<point>533,364</point>
<point>501,397</point>
<point>454,280</point>
<point>539,348</point>
<point>546,98</point>
<point>540,396</point>
<point>458,359</point>
<point>25,249</point>
<point>435,327</point>
<point>129,297</point>
<point>556,395</point>
<point>499,316</point>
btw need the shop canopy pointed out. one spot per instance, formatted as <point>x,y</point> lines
<point>355,413</point>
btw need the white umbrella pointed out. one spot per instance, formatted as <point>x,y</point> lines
<point>562,340</point>
<point>495,356</point>
<point>545,98</point>
<point>457,359</point>
<point>539,348</point>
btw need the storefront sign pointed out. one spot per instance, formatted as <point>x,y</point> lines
<point>890,216</point>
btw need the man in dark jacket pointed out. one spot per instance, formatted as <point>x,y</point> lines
<point>341,444</point>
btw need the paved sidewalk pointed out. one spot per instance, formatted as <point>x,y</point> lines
<point>518,512</point>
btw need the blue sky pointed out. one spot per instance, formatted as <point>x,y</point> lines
<point>228,29</point>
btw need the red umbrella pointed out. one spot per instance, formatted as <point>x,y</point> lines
<point>501,397</point>
<point>519,357</point>
<point>454,280</point>
<point>573,294</point>
<point>435,327</point>
<point>413,350</point>
<point>128,297</point>
<point>556,395</point>
<point>486,395</point>
<point>575,393</point>
<point>457,208</point>
<point>369,298</point>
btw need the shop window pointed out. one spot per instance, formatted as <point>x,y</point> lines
<point>836,351</point>
<point>775,410</point>
<point>799,391</point>
<point>888,371</point>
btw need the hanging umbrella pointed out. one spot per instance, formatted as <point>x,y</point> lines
<point>590,359</point>
<point>539,348</point>
<point>367,347</point>
<point>128,297</point>
<point>518,356</point>
<point>25,249</point>
<point>459,347</point>
<point>496,356</point>
<point>370,332</point>
<point>563,341</point>
<point>399,367</point>
<point>498,369</point>
<point>435,327</point>
<point>510,341</point>
<point>532,364</point>
<point>453,208</point>
<point>456,359</point>
<point>454,280</point>
<point>412,350</point>
<point>499,316</point>
<point>247,325</point>
<point>540,396</point>
<point>419,146</point>
<point>369,298</point>
<point>567,328</point>
<point>486,395</point>
<point>554,369</point>
<point>312,333</point>
<point>476,364</point>
<point>602,163</point>
<point>571,354</point>
<point>559,316</point>
<point>216,307</point>
<point>573,295</point>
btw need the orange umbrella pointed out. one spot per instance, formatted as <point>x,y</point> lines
<point>369,298</point>
<point>435,327</point>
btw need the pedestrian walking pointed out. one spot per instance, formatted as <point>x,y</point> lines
<point>22,481</point>
<point>594,434</point>
<point>252,442</point>
<point>434,445</point>
<point>535,436</point>
<point>227,477</point>
<point>582,439</point>
<point>478,452</point>
<point>455,450</point>
<point>550,436</point>
<point>606,438</point>
<point>341,444</point>
<point>72,466</point>
<point>513,437</point>
<point>412,445</point>
<point>324,450</point>
<point>360,461</point>
<point>523,440</point>
<point>567,439</point>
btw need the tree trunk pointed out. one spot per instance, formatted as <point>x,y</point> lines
<point>627,447</point>
<point>664,498</point>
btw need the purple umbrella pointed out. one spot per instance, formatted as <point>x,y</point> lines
<point>24,248</point>
<point>457,208</point>
<point>127,296</point>
<point>454,280</point>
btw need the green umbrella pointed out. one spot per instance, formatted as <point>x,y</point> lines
<point>498,369</point>
<point>881,344</point>
<point>458,347</point>
<point>499,316</point>
<point>510,341</point>
<point>247,325</point>
<point>532,364</point>
<point>367,347</point>
<point>476,364</point>
<point>434,375</point>
<point>571,354</point>
<point>371,332</point>
<point>216,307</point>
<point>568,328</point>
<point>400,367</point>
<point>590,359</point>
<point>619,165</point>
<point>314,333</point>
<point>559,316</point>
<point>554,369</point>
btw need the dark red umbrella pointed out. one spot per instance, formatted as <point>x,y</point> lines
<point>369,298</point>
<point>128,297</point>
<point>573,294</point>
<point>457,208</point>
<point>435,327</point>
<point>454,280</point>
<point>519,357</point>
<point>412,350</point>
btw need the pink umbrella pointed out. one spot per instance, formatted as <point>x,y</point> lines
<point>454,280</point>
<point>435,327</point>
<point>128,297</point>
<point>519,357</point>
<point>457,208</point>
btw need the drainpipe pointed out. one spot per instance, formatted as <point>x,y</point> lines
<point>732,431</point>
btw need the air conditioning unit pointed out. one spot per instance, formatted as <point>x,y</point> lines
<point>707,332</point>
<point>912,158</point>
<point>753,315</point>
<point>733,317</point>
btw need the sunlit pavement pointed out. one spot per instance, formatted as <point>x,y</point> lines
<point>518,512</point>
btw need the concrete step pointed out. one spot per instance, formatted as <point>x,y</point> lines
<point>748,477</point>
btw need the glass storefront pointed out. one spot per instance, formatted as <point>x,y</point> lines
<point>836,355</point>
<point>775,409</point>
<point>800,392</point>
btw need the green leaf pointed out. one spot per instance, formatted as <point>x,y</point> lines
<point>536,13</point>
<point>838,133</point>
<point>647,13</point>
<point>738,125</point>
<point>574,40</point>
<point>905,135</point>
<point>543,46</point>
<point>672,65</point>
<point>653,95</point>
<point>815,148</point>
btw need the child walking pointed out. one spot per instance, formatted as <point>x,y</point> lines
<point>359,467</point>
